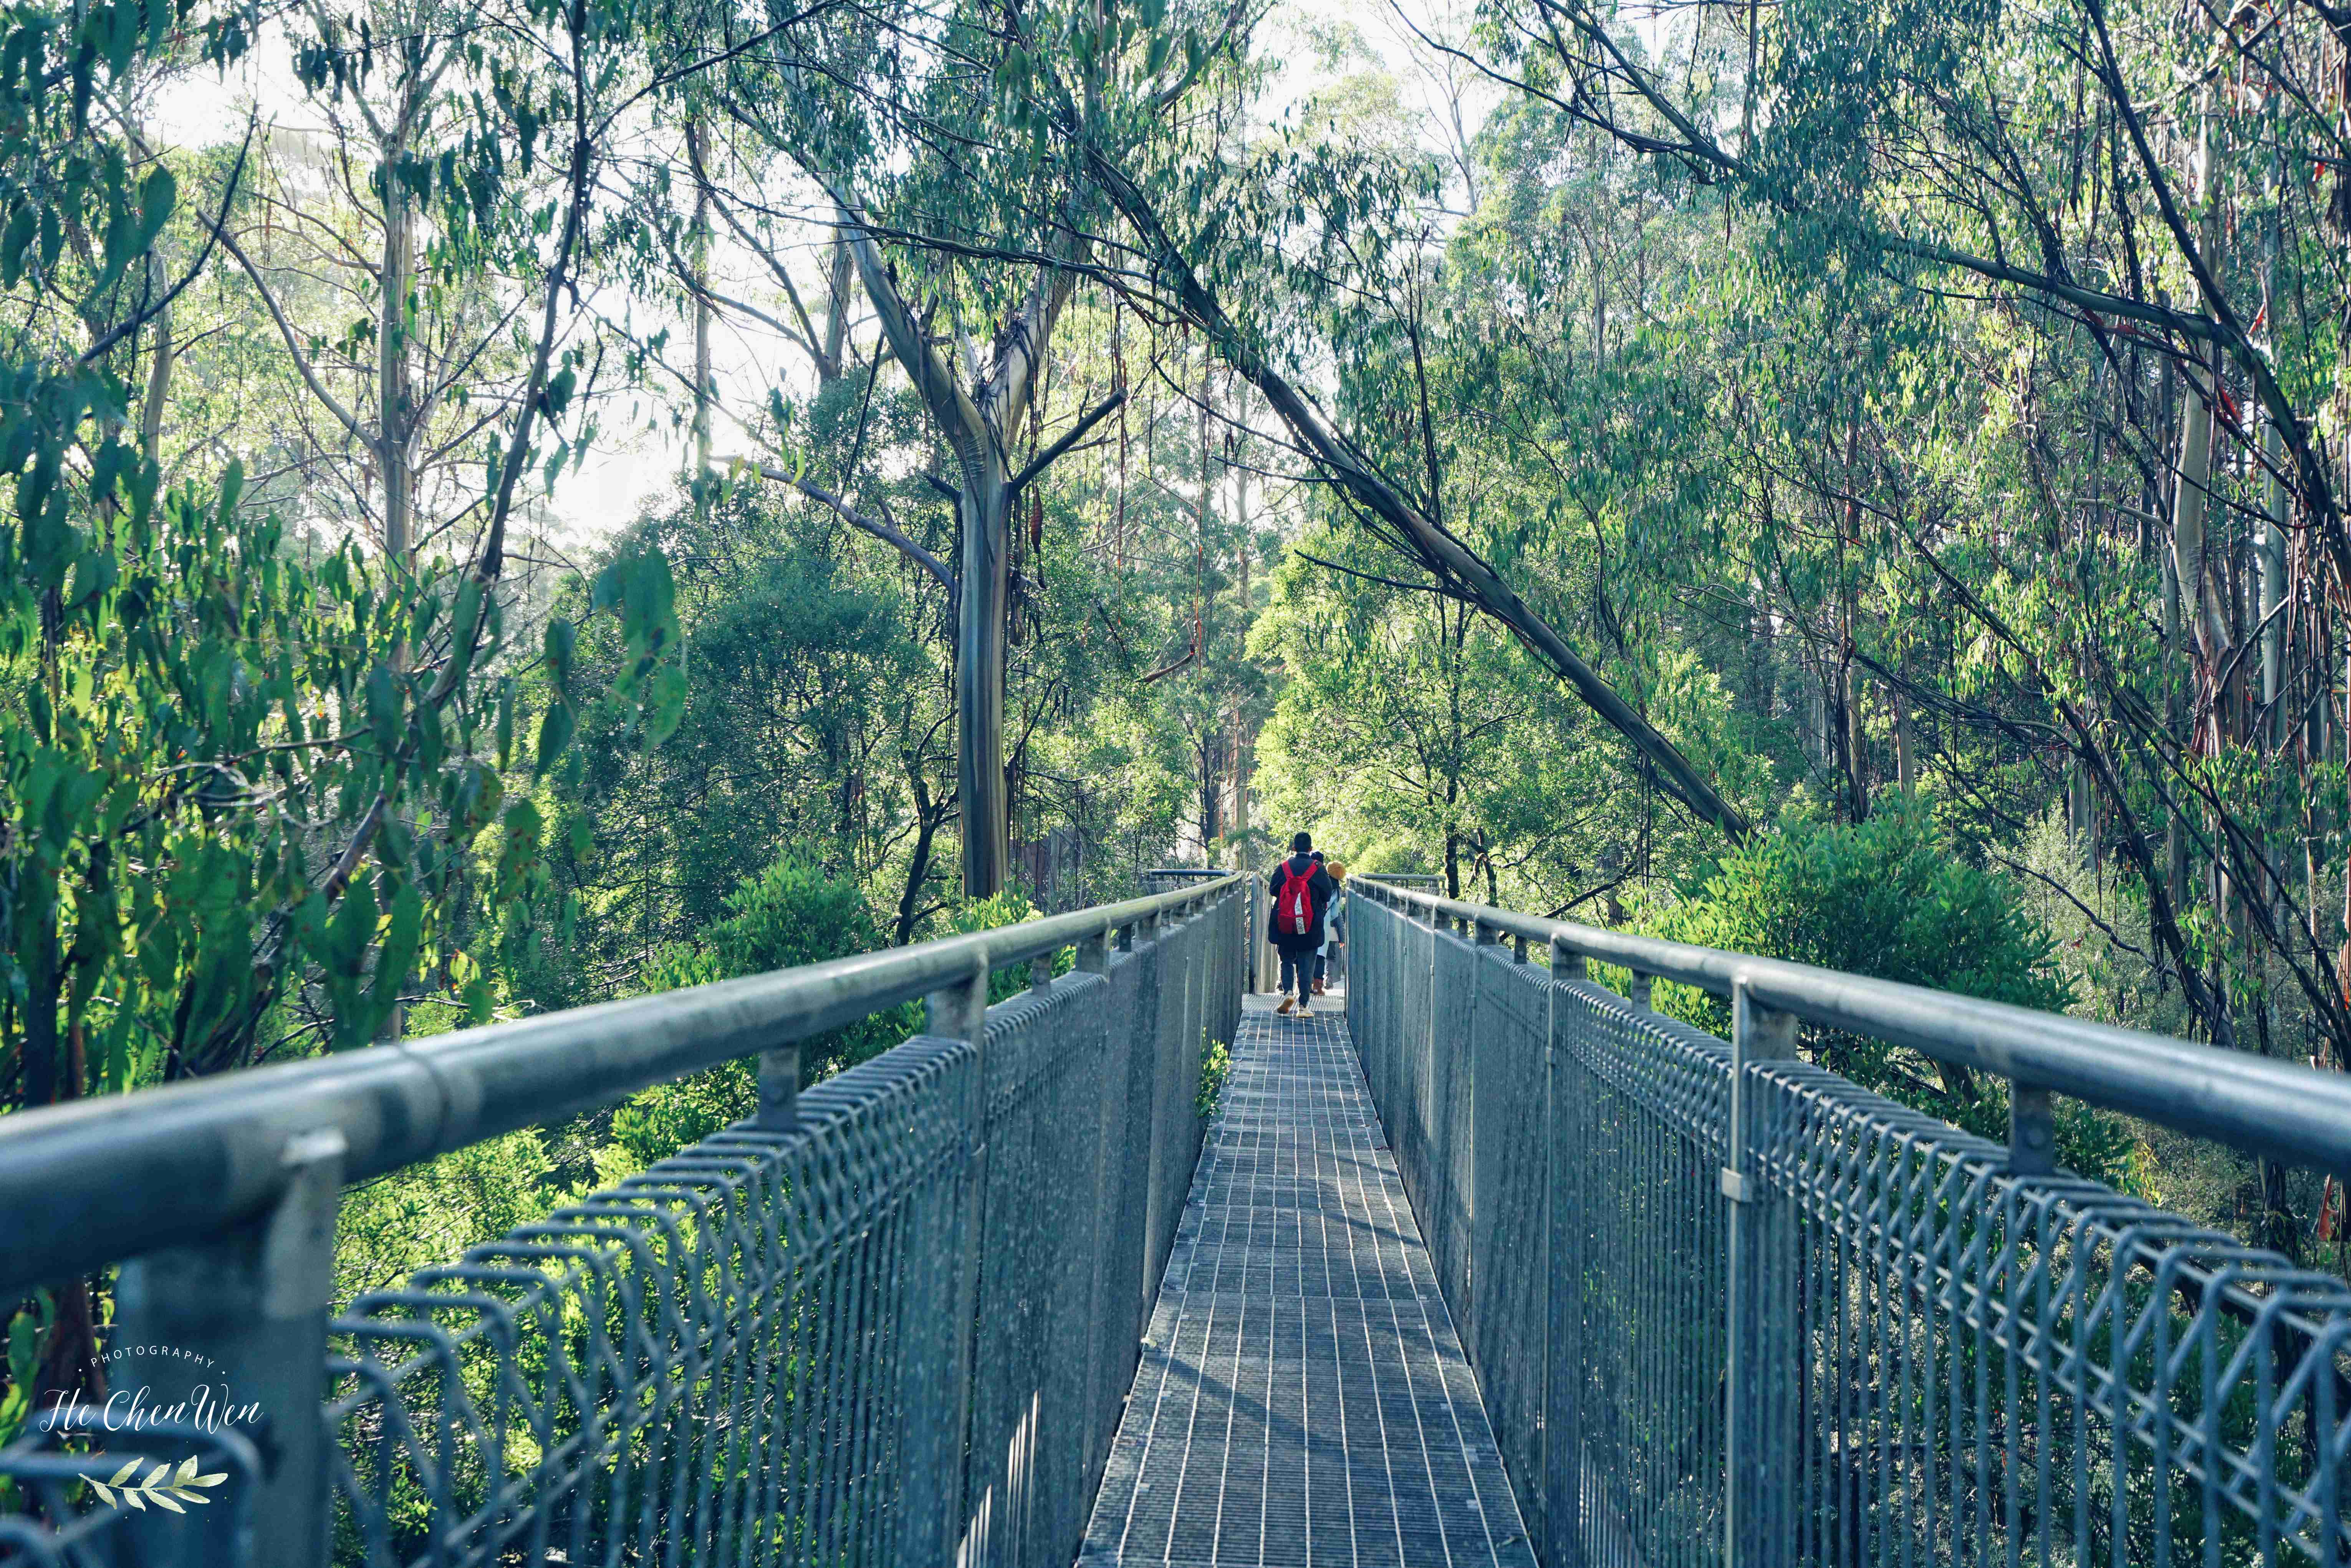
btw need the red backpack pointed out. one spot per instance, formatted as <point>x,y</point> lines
<point>1293,907</point>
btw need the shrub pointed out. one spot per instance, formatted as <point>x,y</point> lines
<point>1883,898</point>
<point>1009,907</point>
<point>430,1213</point>
<point>792,912</point>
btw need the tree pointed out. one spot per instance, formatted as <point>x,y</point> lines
<point>1880,898</point>
<point>888,137</point>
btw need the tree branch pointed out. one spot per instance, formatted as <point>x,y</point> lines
<point>886,532</point>
<point>1047,459</point>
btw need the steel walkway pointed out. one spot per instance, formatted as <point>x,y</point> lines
<point>1302,1398</point>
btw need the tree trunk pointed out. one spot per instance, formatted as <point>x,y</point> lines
<point>982,425</point>
<point>1212,789</point>
<point>159,372</point>
<point>2273,621</point>
<point>2207,614</point>
<point>700,241</point>
<point>1816,731</point>
<point>830,363</point>
<point>2175,709</point>
<point>1244,742</point>
<point>395,451</point>
<point>1906,774</point>
<point>394,456</point>
<point>918,867</point>
<point>985,586</point>
<point>1851,738</point>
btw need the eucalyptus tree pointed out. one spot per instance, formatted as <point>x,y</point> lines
<point>2153,200</point>
<point>240,760</point>
<point>1409,729</point>
<point>951,146</point>
<point>1339,243</point>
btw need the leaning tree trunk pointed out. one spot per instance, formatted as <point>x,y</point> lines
<point>1456,570</point>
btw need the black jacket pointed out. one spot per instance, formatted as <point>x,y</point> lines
<point>1320,888</point>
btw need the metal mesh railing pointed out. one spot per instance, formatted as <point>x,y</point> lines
<point>891,1320</point>
<point>1850,1333</point>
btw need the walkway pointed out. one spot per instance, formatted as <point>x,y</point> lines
<point>1302,1399</point>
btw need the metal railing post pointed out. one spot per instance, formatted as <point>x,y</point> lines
<point>1093,957</point>
<point>2032,1129</point>
<point>1752,1533</point>
<point>1638,994</point>
<point>1566,964</point>
<point>960,1012</point>
<point>780,1089</point>
<point>236,1320</point>
<point>1248,943</point>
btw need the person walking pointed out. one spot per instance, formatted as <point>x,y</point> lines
<point>1301,893</point>
<point>1334,925</point>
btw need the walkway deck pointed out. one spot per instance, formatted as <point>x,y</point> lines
<point>1303,1400</point>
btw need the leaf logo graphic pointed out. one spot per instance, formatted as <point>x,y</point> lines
<point>164,1487</point>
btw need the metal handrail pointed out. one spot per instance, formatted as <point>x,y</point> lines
<point>99,1180</point>
<point>2273,1108</point>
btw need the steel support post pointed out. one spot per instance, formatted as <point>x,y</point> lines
<point>1110,1125</point>
<point>1755,1472</point>
<point>780,1089</point>
<point>238,1322</point>
<point>2032,1129</point>
<point>1566,964</point>
<point>960,1012</point>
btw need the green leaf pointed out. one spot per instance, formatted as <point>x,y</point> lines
<point>232,487</point>
<point>667,704</point>
<point>157,197</point>
<point>397,954</point>
<point>554,735</point>
<point>384,709</point>
<point>22,224</point>
<point>562,638</point>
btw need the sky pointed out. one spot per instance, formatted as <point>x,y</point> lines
<point>641,451</point>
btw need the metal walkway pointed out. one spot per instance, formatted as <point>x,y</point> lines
<point>1302,1398</point>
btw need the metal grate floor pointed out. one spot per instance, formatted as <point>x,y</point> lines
<point>1303,1399</point>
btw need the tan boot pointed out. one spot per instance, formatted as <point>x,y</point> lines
<point>1287,1003</point>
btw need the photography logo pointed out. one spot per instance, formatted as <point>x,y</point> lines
<point>147,1482</point>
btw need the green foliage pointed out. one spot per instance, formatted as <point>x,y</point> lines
<point>1421,737</point>
<point>1009,907</point>
<point>1881,898</point>
<point>387,1229</point>
<point>27,1326</point>
<point>255,748</point>
<point>1216,1068</point>
<point>1884,899</point>
<point>792,912</point>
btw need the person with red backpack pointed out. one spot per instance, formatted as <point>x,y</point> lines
<point>1301,893</point>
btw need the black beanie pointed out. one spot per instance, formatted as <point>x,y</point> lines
<point>1301,842</point>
